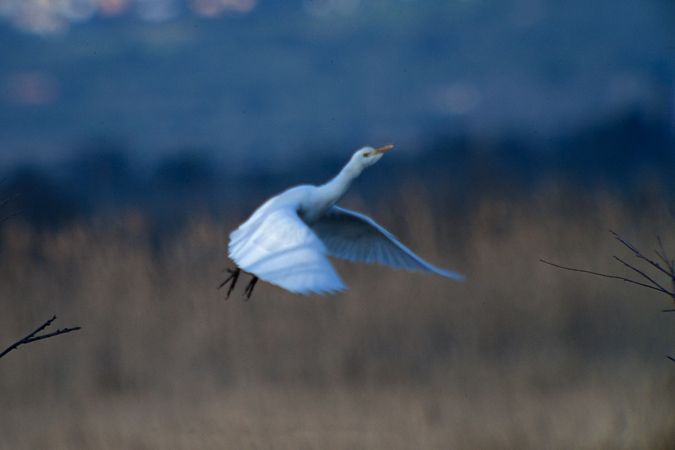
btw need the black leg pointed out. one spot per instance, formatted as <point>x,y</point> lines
<point>249,289</point>
<point>234,276</point>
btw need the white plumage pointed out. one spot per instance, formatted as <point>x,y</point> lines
<point>286,241</point>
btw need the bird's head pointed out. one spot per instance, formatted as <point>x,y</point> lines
<point>367,156</point>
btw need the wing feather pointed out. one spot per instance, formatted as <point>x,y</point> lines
<point>278,247</point>
<point>355,237</point>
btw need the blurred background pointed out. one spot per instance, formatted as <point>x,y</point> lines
<point>136,134</point>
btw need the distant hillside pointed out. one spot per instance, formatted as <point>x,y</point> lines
<point>627,156</point>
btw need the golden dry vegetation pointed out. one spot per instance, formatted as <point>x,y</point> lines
<point>521,356</point>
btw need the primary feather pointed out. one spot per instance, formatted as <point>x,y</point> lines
<point>355,237</point>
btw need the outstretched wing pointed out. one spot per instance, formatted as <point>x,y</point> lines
<point>355,237</point>
<point>279,248</point>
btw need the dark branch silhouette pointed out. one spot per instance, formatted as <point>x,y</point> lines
<point>5,202</point>
<point>666,266</point>
<point>669,270</point>
<point>628,280</point>
<point>33,336</point>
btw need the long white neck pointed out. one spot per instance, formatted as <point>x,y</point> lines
<point>336,188</point>
<point>327,195</point>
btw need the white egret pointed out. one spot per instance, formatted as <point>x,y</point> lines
<point>286,241</point>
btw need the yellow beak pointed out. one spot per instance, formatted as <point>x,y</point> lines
<point>377,151</point>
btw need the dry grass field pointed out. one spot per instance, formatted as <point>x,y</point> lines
<point>521,356</point>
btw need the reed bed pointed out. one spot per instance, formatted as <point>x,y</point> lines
<point>522,355</point>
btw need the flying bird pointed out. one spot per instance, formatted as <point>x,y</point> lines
<point>286,241</point>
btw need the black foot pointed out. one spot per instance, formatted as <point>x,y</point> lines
<point>234,276</point>
<point>249,289</point>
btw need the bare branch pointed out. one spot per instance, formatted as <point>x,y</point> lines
<point>32,337</point>
<point>644,275</point>
<point>628,280</point>
<point>5,202</point>
<point>662,254</point>
<point>671,266</point>
<point>638,254</point>
<point>10,216</point>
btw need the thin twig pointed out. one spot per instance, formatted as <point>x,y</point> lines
<point>662,254</point>
<point>658,287</point>
<point>10,216</point>
<point>604,275</point>
<point>5,202</point>
<point>637,253</point>
<point>671,265</point>
<point>32,337</point>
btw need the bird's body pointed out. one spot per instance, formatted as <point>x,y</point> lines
<point>286,241</point>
